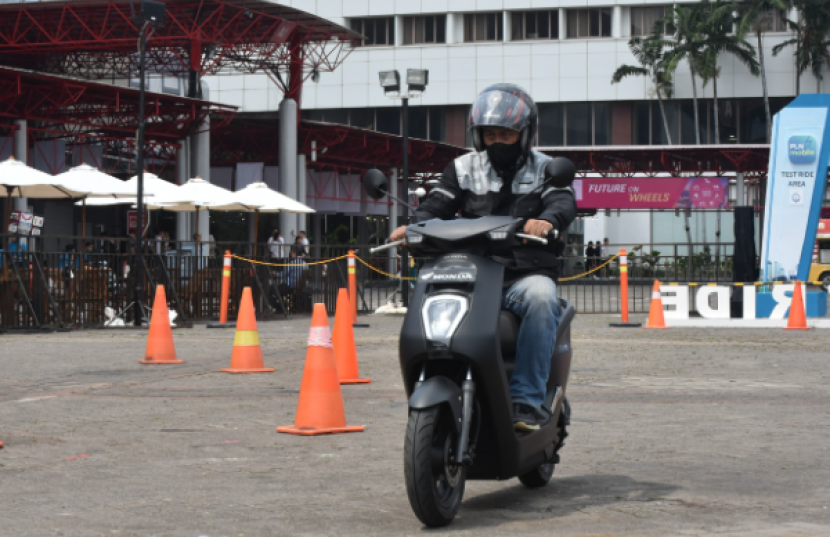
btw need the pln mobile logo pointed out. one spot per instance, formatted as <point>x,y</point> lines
<point>802,149</point>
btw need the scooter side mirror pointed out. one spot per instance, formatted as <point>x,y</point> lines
<point>560,172</point>
<point>375,183</point>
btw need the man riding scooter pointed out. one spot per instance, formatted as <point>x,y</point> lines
<point>493,181</point>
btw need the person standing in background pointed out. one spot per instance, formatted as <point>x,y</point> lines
<point>604,251</point>
<point>304,241</point>
<point>275,244</point>
<point>589,256</point>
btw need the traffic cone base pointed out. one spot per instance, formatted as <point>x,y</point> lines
<point>345,351</point>
<point>320,406</point>
<point>656,320</point>
<point>247,354</point>
<point>314,432</point>
<point>797,320</point>
<point>160,349</point>
<point>355,381</point>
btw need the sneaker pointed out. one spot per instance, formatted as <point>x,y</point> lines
<point>527,418</point>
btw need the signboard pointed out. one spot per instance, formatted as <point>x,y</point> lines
<point>24,223</point>
<point>132,220</point>
<point>656,193</point>
<point>795,188</point>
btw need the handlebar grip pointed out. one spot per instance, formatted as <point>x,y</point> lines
<point>531,238</point>
<point>388,246</point>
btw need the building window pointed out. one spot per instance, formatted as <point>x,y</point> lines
<point>551,125</point>
<point>643,20</point>
<point>429,29</point>
<point>574,124</point>
<point>774,20</point>
<point>376,32</point>
<point>535,25</point>
<point>589,22</point>
<point>483,27</point>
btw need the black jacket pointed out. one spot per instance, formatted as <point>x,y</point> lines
<point>557,206</point>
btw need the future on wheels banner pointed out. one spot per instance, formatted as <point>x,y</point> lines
<point>654,193</point>
<point>795,187</point>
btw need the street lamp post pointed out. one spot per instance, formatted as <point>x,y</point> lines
<point>152,13</point>
<point>390,81</point>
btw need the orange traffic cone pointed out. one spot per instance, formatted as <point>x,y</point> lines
<point>798,317</point>
<point>247,354</point>
<point>160,348</point>
<point>320,408</point>
<point>655,313</point>
<point>345,351</point>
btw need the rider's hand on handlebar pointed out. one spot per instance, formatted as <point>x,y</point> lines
<point>538,228</point>
<point>399,234</point>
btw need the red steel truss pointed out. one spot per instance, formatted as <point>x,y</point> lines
<point>79,106</point>
<point>98,38</point>
<point>257,140</point>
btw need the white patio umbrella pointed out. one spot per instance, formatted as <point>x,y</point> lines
<point>267,200</point>
<point>154,189</point>
<point>198,194</point>
<point>22,181</point>
<point>98,185</point>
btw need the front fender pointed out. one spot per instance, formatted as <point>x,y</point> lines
<point>435,391</point>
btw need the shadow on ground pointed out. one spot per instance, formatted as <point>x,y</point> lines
<point>559,498</point>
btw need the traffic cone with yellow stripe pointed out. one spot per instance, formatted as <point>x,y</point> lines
<point>320,408</point>
<point>655,312</point>
<point>247,354</point>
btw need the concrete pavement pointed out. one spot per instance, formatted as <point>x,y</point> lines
<point>685,431</point>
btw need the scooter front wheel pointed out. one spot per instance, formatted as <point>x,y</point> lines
<point>434,484</point>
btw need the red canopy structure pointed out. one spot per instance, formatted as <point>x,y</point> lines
<point>84,113</point>
<point>97,39</point>
<point>257,140</point>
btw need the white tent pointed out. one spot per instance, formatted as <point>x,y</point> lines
<point>198,194</point>
<point>154,189</point>
<point>96,183</point>
<point>266,200</point>
<point>21,181</point>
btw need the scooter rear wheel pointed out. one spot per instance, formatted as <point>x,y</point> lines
<point>538,477</point>
<point>435,486</point>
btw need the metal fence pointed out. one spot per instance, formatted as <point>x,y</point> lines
<point>87,289</point>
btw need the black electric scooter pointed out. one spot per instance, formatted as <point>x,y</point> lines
<point>457,352</point>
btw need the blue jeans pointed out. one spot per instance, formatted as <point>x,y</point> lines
<point>533,299</point>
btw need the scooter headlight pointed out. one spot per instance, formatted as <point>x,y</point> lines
<point>441,316</point>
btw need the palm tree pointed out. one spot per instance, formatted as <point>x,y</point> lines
<point>715,30</point>
<point>686,23</point>
<point>812,39</point>
<point>649,54</point>
<point>756,16</point>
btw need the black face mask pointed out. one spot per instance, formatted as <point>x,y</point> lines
<point>504,156</point>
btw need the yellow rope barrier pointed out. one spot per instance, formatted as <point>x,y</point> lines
<point>569,278</point>
<point>385,273</point>
<point>289,264</point>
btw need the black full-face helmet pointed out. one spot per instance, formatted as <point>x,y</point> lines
<point>508,106</point>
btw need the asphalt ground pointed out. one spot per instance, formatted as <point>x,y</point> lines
<point>675,432</point>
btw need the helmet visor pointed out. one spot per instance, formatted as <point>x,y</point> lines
<point>497,108</point>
